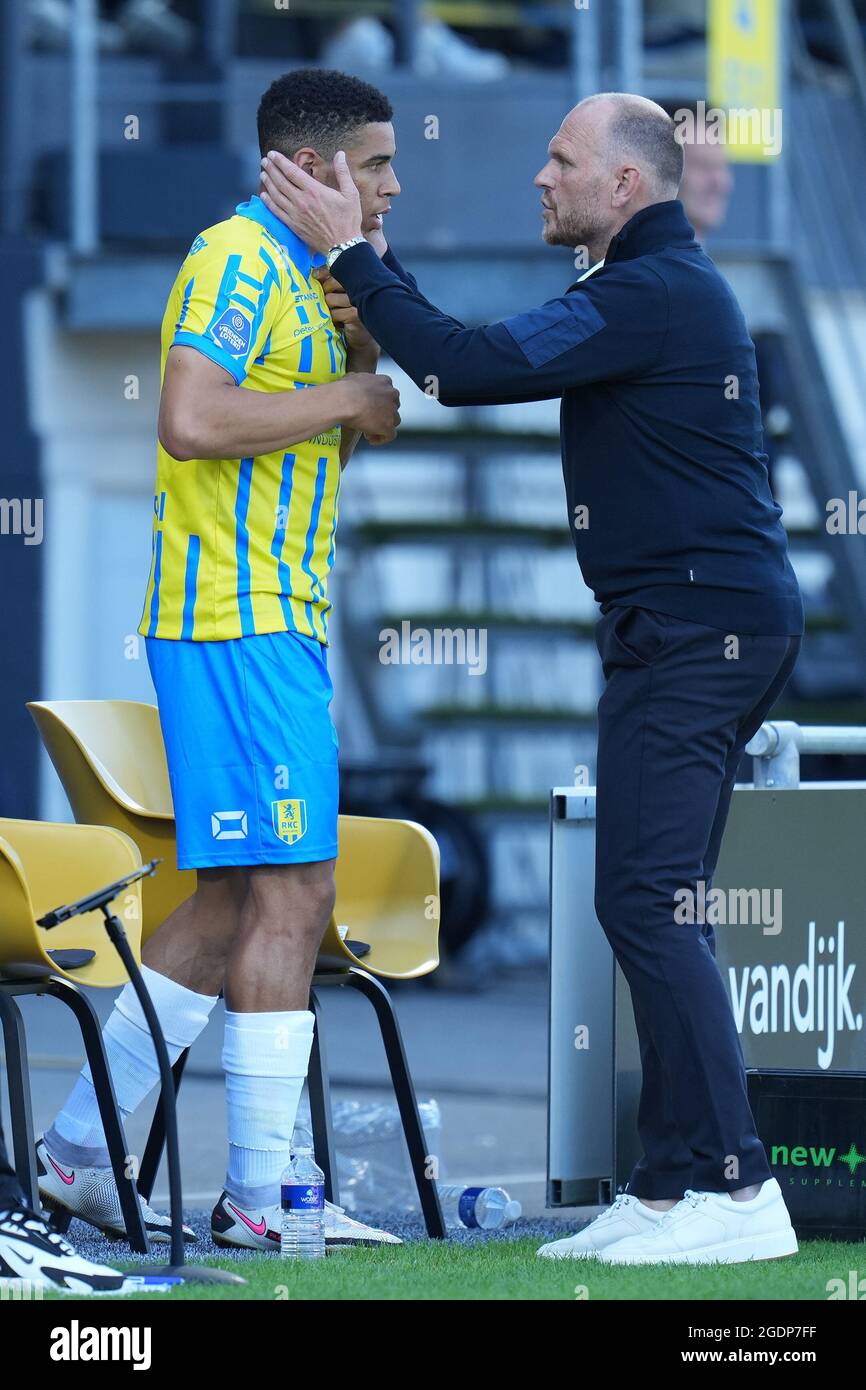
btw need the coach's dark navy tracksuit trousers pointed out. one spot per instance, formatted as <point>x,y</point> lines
<point>677,710</point>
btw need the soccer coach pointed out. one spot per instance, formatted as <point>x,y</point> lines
<point>701,616</point>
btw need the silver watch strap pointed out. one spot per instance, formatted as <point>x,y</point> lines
<point>336,251</point>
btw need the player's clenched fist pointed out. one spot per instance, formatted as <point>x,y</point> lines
<point>374,406</point>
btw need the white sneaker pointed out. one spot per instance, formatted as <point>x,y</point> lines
<point>259,1229</point>
<point>711,1228</point>
<point>627,1217</point>
<point>341,1229</point>
<point>91,1195</point>
<point>245,1227</point>
<point>32,1255</point>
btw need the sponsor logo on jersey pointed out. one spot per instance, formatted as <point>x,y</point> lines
<point>290,820</point>
<point>233,332</point>
<point>229,825</point>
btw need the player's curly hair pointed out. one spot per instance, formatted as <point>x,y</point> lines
<point>319,108</point>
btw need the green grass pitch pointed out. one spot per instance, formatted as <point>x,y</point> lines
<point>510,1270</point>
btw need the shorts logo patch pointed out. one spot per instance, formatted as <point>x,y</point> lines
<point>229,825</point>
<point>233,332</point>
<point>290,820</point>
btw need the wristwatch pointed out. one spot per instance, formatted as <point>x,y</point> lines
<point>336,251</point>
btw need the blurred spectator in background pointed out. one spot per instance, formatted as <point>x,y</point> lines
<point>675,21</point>
<point>139,26</point>
<point>708,180</point>
<point>675,37</point>
<point>674,34</point>
<point>366,44</point>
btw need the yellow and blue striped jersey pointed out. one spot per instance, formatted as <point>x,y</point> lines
<point>245,546</point>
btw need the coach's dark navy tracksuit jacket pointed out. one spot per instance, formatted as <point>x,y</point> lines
<point>702,619</point>
<point>649,356</point>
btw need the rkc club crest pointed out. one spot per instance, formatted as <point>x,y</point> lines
<point>290,820</point>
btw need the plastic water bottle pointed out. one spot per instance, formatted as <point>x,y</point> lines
<point>478,1208</point>
<point>302,1197</point>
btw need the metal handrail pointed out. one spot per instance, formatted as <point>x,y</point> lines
<point>779,743</point>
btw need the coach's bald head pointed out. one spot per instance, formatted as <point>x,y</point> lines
<point>614,154</point>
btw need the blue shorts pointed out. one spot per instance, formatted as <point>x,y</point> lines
<point>251,749</point>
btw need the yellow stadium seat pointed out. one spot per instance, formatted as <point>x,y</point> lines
<point>110,757</point>
<point>45,866</point>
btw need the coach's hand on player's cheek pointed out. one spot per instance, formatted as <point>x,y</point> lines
<point>322,216</point>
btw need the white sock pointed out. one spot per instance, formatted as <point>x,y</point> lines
<point>265,1058</point>
<point>77,1136</point>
